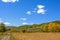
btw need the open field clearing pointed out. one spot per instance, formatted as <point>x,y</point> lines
<point>36,36</point>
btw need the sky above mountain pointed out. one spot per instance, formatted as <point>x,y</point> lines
<point>21,12</point>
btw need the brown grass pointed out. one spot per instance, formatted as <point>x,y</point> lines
<point>36,36</point>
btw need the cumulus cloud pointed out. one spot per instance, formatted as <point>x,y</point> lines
<point>10,0</point>
<point>40,6</point>
<point>24,23</point>
<point>41,11</point>
<point>28,12</point>
<point>24,19</point>
<point>6,23</point>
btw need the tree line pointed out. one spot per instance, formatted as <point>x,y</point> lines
<point>45,27</point>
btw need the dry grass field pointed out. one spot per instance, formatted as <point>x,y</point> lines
<point>36,36</point>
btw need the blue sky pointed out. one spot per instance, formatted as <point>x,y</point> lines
<point>19,12</point>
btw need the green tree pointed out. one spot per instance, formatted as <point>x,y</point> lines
<point>2,27</point>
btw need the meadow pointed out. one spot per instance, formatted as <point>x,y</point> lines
<point>36,36</point>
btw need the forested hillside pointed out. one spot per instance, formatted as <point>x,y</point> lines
<point>53,26</point>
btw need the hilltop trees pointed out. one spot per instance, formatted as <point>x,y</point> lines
<point>45,27</point>
<point>54,27</point>
<point>50,27</point>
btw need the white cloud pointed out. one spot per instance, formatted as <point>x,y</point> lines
<point>28,12</point>
<point>24,23</point>
<point>24,19</point>
<point>10,0</point>
<point>6,23</point>
<point>40,6</point>
<point>41,11</point>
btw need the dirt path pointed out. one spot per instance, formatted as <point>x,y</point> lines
<point>6,37</point>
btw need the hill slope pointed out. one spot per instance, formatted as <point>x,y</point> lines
<point>53,26</point>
